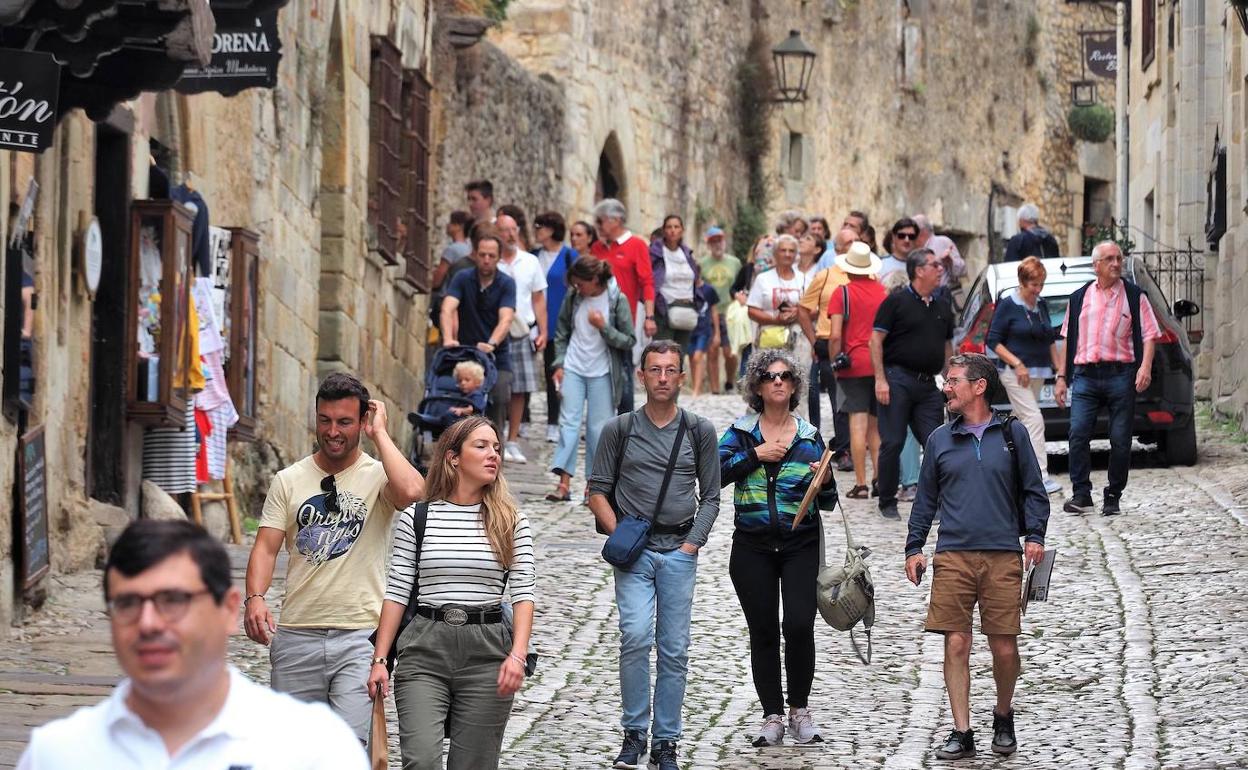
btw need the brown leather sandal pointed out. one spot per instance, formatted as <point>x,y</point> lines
<point>859,492</point>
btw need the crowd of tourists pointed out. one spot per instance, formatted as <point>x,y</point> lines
<point>442,612</point>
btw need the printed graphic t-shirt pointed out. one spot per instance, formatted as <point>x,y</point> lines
<point>337,571</point>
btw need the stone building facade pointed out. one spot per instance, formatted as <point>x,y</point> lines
<point>1188,180</point>
<point>291,164</point>
<point>958,112</point>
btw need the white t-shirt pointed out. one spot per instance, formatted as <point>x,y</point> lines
<point>529,276</point>
<point>587,350</point>
<point>769,290</point>
<point>257,728</point>
<point>678,280</point>
<point>546,258</point>
<point>890,264</point>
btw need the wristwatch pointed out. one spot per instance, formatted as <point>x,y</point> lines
<point>649,318</point>
<point>380,661</point>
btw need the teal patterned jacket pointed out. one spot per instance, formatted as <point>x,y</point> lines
<point>766,497</point>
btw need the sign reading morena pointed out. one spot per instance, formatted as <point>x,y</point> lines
<point>29,83</point>
<point>242,58</point>
<point>1100,53</point>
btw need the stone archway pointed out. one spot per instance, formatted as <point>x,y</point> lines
<point>612,179</point>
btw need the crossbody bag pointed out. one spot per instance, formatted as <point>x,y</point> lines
<point>632,531</point>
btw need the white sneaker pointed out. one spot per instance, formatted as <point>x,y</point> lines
<point>552,434</point>
<point>1051,486</point>
<point>511,451</point>
<point>802,727</point>
<point>771,733</point>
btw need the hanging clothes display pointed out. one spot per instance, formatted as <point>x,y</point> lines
<point>200,253</point>
<point>214,401</point>
<point>169,455</point>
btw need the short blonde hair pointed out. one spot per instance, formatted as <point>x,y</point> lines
<point>1031,269</point>
<point>470,369</point>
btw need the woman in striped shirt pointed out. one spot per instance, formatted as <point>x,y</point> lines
<point>459,666</point>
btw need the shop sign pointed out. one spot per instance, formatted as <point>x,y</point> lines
<point>32,487</point>
<point>245,57</point>
<point>1100,53</point>
<point>29,84</point>
<point>92,251</point>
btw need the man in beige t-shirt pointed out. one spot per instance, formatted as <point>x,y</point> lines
<point>333,512</point>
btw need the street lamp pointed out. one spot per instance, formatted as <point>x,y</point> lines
<point>794,62</point>
<point>1083,93</point>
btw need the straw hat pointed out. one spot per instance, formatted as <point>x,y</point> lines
<point>859,260</point>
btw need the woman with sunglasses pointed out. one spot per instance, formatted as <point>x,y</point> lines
<point>898,243</point>
<point>770,456</point>
<point>456,658</point>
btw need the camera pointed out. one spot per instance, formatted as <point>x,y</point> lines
<point>841,361</point>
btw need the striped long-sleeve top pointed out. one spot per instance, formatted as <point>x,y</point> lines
<point>457,565</point>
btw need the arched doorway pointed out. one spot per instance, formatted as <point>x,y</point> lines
<point>611,181</point>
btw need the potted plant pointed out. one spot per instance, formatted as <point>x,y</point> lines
<point>1091,123</point>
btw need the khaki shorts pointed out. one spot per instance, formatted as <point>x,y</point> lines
<point>960,579</point>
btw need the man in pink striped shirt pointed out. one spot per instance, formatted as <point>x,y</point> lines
<point>1111,334</point>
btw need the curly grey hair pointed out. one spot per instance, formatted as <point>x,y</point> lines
<point>759,363</point>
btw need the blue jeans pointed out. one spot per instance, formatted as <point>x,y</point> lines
<point>823,380</point>
<point>1090,389</point>
<point>655,600</point>
<point>577,390</point>
<point>910,461</point>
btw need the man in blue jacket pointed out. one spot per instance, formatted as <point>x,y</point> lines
<point>987,497</point>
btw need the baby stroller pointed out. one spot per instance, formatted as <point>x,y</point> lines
<point>434,414</point>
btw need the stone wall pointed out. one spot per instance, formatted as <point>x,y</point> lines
<point>494,119</point>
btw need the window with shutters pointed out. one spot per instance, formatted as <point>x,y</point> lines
<point>385,133</point>
<point>415,226</point>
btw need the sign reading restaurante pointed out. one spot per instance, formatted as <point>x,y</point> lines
<point>29,84</point>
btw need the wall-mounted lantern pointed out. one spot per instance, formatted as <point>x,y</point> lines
<point>1083,93</point>
<point>794,62</point>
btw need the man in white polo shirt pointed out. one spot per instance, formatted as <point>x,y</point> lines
<point>171,608</point>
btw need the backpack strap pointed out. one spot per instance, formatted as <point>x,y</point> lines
<point>420,519</point>
<point>1007,426</point>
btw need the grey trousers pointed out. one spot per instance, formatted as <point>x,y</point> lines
<point>325,665</point>
<point>451,671</point>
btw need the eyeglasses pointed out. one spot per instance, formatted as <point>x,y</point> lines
<point>330,488</point>
<point>938,265</point>
<point>170,603</point>
<point>907,236</point>
<point>786,376</point>
<point>659,371</point>
<point>953,382</point>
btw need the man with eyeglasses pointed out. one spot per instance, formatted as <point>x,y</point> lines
<point>333,512</point>
<point>171,610</point>
<point>654,595</point>
<point>629,257</point>
<point>909,344</point>
<point>987,497</point>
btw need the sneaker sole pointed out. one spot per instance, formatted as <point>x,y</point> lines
<point>961,755</point>
<point>1068,508</point>
<point>762,743</point>
<point>818,739</point>
<point>625,766</point>
<point>1004,750</point>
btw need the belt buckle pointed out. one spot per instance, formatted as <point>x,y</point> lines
<point>454,616</point>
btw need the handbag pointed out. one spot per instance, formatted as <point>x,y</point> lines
<point>518,327</point>
<point>774,337</point>
<point>681,315</point>
<point>632,532</point>
<point>845,595</point>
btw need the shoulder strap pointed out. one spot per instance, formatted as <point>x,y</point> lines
<point>619,457</point>
<point>671,464</point>
<point>420,518</point>
<point>1007,426</point>
<point>845,301</point>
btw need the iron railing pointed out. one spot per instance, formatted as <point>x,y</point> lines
<point>1180,274</point>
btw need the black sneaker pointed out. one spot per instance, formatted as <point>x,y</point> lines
<point>890,511</point>
<point>663,756</point>
<point>1110,507</point>
<point>959,745</point>
<point>1079,504</point>
<point>844,463</point>
<point>1003,741</point>
<point>634,747</point>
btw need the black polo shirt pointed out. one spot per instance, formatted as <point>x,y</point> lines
<point>478,309</point>
<point>916,330</point>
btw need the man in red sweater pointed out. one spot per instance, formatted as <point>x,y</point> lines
<point>629,257</point>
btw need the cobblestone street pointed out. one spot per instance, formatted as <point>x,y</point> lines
<point>1134,663</point>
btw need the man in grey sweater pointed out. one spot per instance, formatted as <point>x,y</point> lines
<point>660,583</point>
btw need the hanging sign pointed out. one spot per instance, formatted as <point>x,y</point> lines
<point>32,488</point>
<point>1100,53</point>
<point>242,57</point>
<point>29,84</point>
<point>91,256</point>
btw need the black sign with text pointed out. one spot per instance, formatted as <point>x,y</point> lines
<point>1100,53</point>
<point>29,83</point>
<point>32,489</point>
<point>242,57</point>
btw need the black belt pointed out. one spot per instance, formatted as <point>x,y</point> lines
<point>920,376</point>
<point>671,529</point>
<point>1105,366</point>
<point>453,615</point>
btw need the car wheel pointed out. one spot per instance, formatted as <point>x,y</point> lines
<point>1179,445</point>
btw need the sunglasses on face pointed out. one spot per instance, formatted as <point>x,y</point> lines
<point>330,488</point>
<point>905,236</point>
<point>785,376</point>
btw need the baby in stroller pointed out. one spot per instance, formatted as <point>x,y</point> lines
<point>470,377</point>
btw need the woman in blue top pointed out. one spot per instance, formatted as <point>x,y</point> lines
<point>555,257</point>
<point>1023,339</point>
<point>770,456</point>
